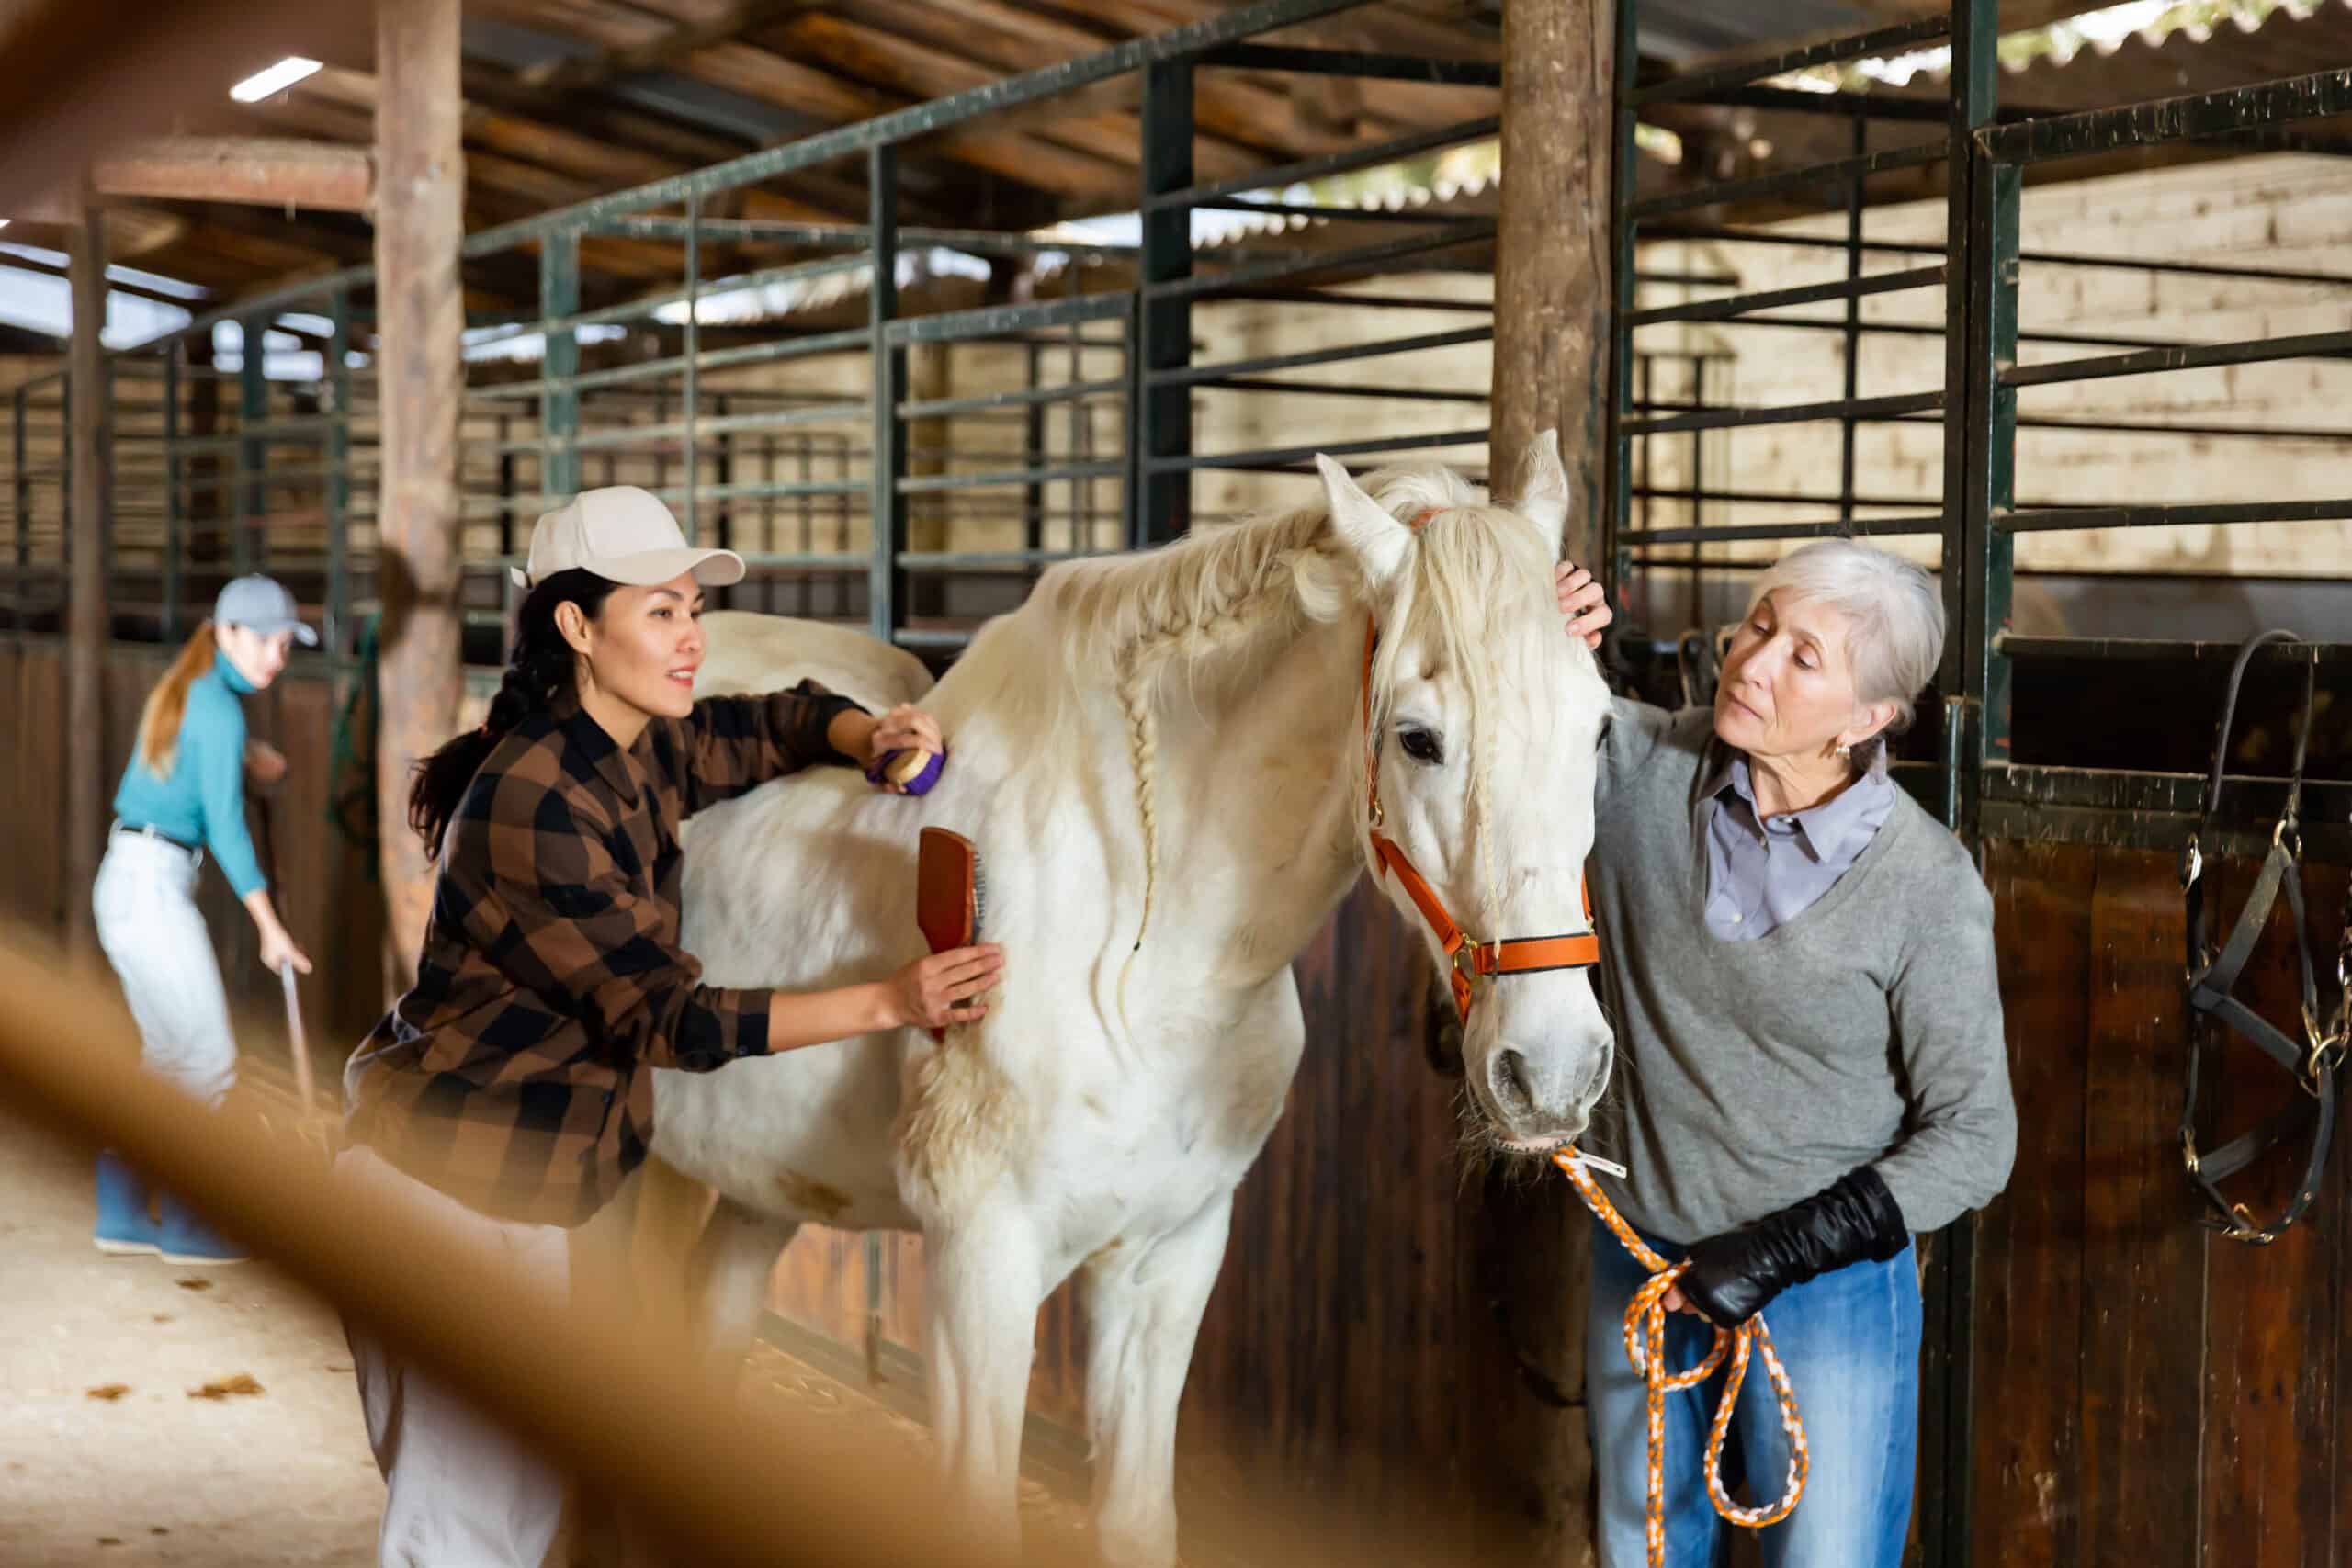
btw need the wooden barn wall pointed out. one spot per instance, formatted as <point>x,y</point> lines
<point>2148,1392</point>
<point>324,889</point>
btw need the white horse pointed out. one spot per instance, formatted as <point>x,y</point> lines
<point>1162,760</point>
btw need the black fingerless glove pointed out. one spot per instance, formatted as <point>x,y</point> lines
<point>1732,1276</point>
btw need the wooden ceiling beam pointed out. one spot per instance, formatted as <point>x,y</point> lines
<point>267,171</point>
<point>918,72</point>
<point>804,90</point>
<point>606,166</point>
<point>1006,37</point>
<point>572,75</point>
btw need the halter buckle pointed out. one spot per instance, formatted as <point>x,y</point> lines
<point>2192,864</point>
<point>2327,1049</point>
<point>2188,1150</point>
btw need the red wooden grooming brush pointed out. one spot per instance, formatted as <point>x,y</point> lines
<point>948,892</point>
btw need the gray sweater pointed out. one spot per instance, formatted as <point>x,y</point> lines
<point>1751,1074</point>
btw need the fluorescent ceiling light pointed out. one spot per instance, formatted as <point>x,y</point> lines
<point>277,79</point>
<point>4,223</point>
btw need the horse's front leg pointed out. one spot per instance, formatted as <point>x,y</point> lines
<point>1144,1306</point>
<point>987,1278</point>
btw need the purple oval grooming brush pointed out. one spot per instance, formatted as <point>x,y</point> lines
<point>910,768</point>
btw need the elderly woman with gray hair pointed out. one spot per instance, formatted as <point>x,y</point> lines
<point>1799,961</point>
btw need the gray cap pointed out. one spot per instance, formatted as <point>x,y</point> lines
<point>262,604</point>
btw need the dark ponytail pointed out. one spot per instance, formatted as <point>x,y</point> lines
<point>542,669</point>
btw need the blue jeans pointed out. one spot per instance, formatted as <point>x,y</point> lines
<point>1850,1342</point>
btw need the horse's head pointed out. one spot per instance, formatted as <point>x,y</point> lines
<point>1484,724</point>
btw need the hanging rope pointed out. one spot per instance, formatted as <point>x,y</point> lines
<point>1645,1341</point>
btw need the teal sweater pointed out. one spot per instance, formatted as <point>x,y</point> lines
<point>203,800</point>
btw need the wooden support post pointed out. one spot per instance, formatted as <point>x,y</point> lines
<point>420,315</point>
<point>90,423</point>
<point>1553,264</point>
<point>1529,1250</point>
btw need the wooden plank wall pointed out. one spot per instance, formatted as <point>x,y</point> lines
<point>2148,1392</point>
<point>325,890</point>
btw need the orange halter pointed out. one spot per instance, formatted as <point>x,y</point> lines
<point>1469,959</point>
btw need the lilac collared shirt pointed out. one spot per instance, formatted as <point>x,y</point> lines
<point>1762,874</point>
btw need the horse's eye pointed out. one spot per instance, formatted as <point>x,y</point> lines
<point>1421,745</point>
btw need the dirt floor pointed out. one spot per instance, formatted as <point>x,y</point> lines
<point>106,1455</point>
<point>111,1452</point>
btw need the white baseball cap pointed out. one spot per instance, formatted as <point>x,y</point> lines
<point>624,535</point>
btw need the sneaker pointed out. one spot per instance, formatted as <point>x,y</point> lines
<point>186,1239</point>
<point>123,1228</point>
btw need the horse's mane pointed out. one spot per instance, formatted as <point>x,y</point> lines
<point>1143,619</point>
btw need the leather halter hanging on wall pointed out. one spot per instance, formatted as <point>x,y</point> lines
<point>2213,975</point>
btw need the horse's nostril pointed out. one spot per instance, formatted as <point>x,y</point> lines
<point>1510,1084</point>
<point>1595,1079</point>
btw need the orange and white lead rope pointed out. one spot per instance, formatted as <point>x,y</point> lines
<point>1646,1334</point>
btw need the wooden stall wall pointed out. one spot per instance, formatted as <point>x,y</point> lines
<point>2148,1392</point>
<point>323,888</point>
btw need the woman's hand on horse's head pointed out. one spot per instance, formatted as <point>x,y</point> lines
<point>1582,602</point>
<point>937,991</point>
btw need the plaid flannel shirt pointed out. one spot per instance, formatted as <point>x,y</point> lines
<point>510,1076</point>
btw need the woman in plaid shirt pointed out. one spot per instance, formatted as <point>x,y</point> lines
<point>508,1086</point>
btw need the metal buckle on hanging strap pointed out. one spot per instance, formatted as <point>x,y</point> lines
<point>2188,1150</point>
<point>2327,1049</point>
<point>2192,864</point>
<point>2288,826</point>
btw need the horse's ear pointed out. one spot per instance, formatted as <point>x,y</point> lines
<point>1542,494</point>
<point>1378,541</point>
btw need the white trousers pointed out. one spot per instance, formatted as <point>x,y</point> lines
<point>154,936</point>
<point>460,1491</point>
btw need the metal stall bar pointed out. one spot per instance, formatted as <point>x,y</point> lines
<point>558,392</point>
<point>1859,46</point>
<point>1835,172</point>
<point>251,551</point>
<point>1187,375</point>
<point>1159,492</point>
<point>2183,356</point>
<point>886,592</point>
<point>1980,457</point>
<point>1305,169</point>
<point>1789,413</point>
<point>1352,63</point>
<point>1847,289</point>
<point>2168,120</point>
<point>1295,455</point>
<point>2058,519</point>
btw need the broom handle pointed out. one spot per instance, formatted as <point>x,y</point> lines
<point>302,1045</point>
